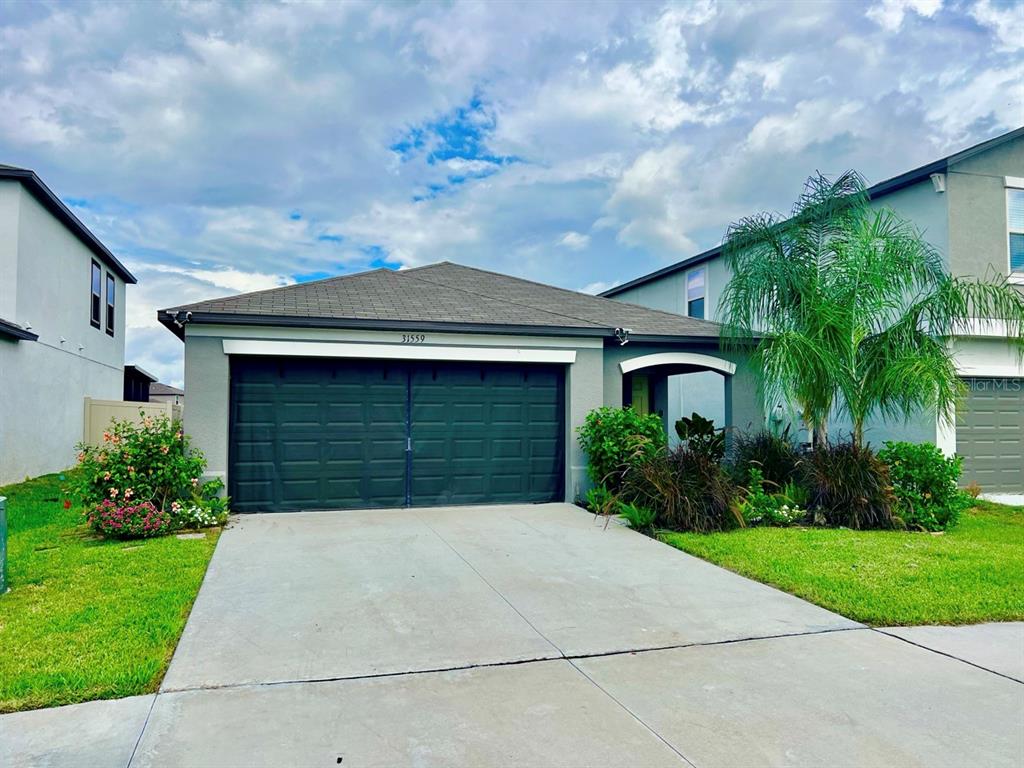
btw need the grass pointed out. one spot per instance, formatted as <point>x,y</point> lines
<point>972,573</point>
<point>87,618</point>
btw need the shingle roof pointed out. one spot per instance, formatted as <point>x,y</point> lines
<point>157,388</point>
<point>443,294</point>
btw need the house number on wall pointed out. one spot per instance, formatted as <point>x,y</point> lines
<point>413,338</point>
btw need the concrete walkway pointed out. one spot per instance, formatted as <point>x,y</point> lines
<point>530,636</point>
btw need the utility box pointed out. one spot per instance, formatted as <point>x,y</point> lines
<point>3,545</point>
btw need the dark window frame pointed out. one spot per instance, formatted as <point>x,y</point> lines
<point>95,294</point>
<point>695,307</point>
<point>111,303</point>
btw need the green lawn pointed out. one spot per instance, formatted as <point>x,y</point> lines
<point>972,573</point>
<point>86,618</point>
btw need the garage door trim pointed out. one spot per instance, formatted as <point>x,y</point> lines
<point>412,351</point>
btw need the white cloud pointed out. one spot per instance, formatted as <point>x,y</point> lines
<point>597,287</point>
<point>1005,20</point>
<point>650,201</point>
<point>889,14</point>
<point>574,241</point>
<point>810,122</point>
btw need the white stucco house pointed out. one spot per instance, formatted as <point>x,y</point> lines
<point>970,206</point>
<point>62,312</point>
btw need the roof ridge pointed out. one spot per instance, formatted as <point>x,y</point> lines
<point>591,323</point>
<point>673,315</point>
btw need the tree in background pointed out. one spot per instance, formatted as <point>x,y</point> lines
<point>847,307</point>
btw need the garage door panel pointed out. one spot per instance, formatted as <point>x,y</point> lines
<point>309,434</point>
<point>472,433</point>
<point>316,426</point>
<point>990,434</point>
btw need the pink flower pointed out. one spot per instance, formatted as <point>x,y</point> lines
<point>113,493</point>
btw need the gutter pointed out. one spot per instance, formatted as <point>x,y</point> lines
<point>16,332</point>
<point>167,318</point>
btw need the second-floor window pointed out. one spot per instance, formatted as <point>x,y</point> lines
<point>1015,222</point>
<point>95,297</point>
<point>695,291</point>
<point>110,303</point>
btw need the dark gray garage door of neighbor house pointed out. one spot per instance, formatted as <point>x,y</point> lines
<point>338,433</point>
<point>990,434</point>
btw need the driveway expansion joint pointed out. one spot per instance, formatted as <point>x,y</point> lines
<point>947,655</point>
<point>497,664</point>
<point>633,714</point>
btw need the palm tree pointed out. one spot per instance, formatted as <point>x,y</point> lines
<point>847,307</point>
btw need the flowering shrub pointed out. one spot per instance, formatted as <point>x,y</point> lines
<point>150,462</point>
<point>205,508</point>
<point>191,515</point>
<point>129,521</point>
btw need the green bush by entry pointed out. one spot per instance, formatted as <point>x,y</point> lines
<point>925,483</point>
<point>617,438</point>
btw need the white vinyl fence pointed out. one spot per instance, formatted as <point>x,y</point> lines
<point>100,413</point>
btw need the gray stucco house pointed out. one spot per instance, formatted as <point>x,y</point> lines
<point>437,385</point>
<point>970,206</point>
<point>62,313</point>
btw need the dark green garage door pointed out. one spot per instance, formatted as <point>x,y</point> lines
<point>335,434</point>
<point>990,434</point>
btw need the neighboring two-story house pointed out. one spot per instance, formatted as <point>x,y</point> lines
<point>62,314</point>
<point>970,206</point>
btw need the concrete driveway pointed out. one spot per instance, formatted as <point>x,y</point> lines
<point>528,636</point>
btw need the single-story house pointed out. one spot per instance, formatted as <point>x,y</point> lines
<point>442,384</point>
<point>165,393</point>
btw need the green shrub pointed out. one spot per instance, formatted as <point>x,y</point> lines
<point>759,507</point>
<point>639,518</point>
<point>600,500</point>
<point>925,483</point>
<point>699,435</point>
<point>776,456</point>
<point>616,438</point>
<point>848,486</point>
<point>150,461</point>
<point>686,490</point>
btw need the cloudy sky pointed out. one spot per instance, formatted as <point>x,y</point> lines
<point>219,148</point>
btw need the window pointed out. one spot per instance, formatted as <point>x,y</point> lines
<point>110,303</point>
<point>95,297</point>
<point>695,293</point>
<point>1015,223</point>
